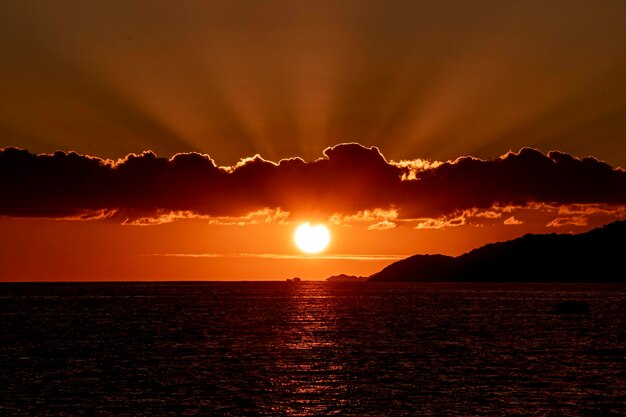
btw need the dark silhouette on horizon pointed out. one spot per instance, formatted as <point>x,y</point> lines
<point>594,256</point>
<point>347,278</point>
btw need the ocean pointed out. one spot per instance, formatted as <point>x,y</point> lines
<point>310,349</point>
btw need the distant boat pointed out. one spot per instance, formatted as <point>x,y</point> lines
<point>294,280</point>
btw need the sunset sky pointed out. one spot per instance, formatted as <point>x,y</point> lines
<point>128,132</point>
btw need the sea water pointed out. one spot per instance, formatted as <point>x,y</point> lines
<point>277,348</point>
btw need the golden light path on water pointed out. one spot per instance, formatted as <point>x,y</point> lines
<point>302,374</point>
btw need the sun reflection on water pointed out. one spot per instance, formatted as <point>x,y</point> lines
<point>303,372</point>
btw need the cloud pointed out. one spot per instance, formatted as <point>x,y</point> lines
<point>515,179</point>
<point>351,182</point>
<point>579,221</point>
<point>512,221</point>
<point>381,219</point>
<point>578,215</point>
<point>442,222</point>
<point>489,214</point>
<point>384,225</point>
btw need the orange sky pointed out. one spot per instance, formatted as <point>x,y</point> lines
<point>53,229</point>
<point>47,249</point>
<point>425,82</point>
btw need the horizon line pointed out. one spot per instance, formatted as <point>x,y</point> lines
<point>367,257</point>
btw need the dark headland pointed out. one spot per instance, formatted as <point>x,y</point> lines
<point>595,256</point>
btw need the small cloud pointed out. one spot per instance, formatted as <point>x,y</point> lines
<point>88,215</point>
<point>411,168</point>
<point>591,210</point>
<point>489,214</point>
<point>162,217</point>
<point>441,223</point>
<point>375,215</point>
<point>384,225</point>
<point>266,215</point>
<point>579,221</point>
<point>512,221</point>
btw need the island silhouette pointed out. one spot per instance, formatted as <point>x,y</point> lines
<point>595,256</point>
<point>347,278</point>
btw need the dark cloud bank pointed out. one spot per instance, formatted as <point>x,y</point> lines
<point>349,178</point>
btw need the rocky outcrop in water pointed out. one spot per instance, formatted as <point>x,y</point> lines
<point>346,278</point>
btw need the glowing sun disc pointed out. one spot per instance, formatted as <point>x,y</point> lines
<point>312,239</point>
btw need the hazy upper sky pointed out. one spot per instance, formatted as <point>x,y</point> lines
<point>427,79</point>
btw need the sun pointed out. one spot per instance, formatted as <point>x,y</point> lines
<point>312,239</point>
